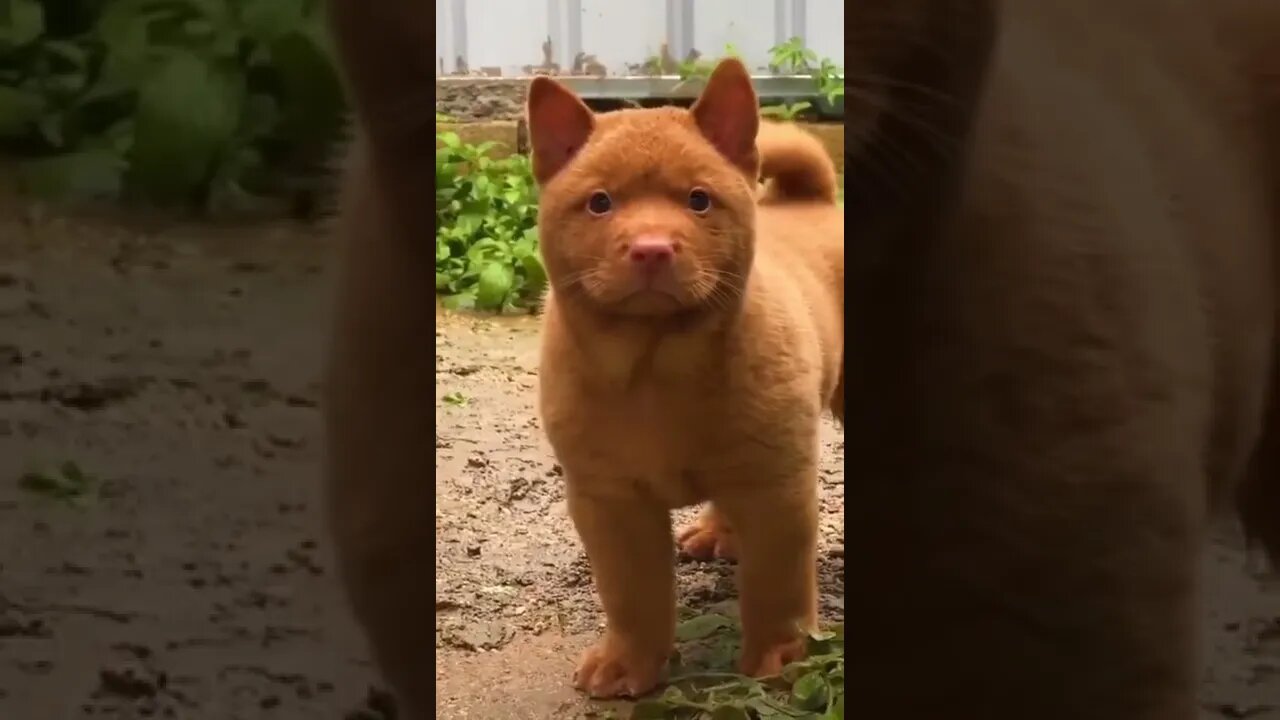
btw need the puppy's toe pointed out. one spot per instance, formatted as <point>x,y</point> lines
<point>607,672</point>
<point>706,538</point>
<point>763,662</point>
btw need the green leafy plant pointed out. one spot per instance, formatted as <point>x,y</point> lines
<point>789,58</point>
<point>698,69</point>
<point>793,58</point>
<point>203,103</point>
<point>486,228</point>
<point>784,111</point>
<point>829,79</point>
<point>810,689</point>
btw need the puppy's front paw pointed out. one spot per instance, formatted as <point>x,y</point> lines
<point>607,670</point>
<point>708,538</point>
<point>762,662</point>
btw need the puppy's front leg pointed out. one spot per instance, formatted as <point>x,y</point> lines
<point>776,527</point>
<point>629,544</point>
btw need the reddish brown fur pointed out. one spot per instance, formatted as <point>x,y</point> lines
<point>795,165</point>
<point>710,392</point>
<point>378,413</point>
<point>1063,349</point>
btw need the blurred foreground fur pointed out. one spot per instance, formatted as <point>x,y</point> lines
<point>1062,217</point>
<point>1062,353</point>
<point>691,342</point>
<point>379,413</point>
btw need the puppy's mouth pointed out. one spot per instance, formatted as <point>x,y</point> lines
<point>653,275</point>
<point>647,295</point>
<point>674,292</point>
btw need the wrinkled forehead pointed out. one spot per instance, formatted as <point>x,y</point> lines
<point>638,124</point>
<point>652,149</point>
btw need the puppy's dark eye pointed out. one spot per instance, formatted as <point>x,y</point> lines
<point>699,200</point>
<point>599,203</point>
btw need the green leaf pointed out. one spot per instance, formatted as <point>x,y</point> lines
<point>51,129</point>
<point>702,626</point>
<point>730,712</point>
<point>767,709</point>
<point>69,53</point>
<point>535,275</point>
<point>486,249</point>
<point>495,284</point>
<point>89,174</point>
<point>65,483</point>
<point>266,20</point>
<point>118,137</point>
<point>460,301</point>
<point>650,710</point>
<point>673,695</point>
<point>187,114</point>
<point>123,28</point>
<point>21,22</point>
<point>810,692</point>
<point>837,709</point>
<point>312,104</point>
<point>20,110</point>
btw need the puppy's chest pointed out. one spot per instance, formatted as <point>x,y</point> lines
<point>642,444</point>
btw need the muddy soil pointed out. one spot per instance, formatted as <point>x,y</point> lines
<point>178,368</point>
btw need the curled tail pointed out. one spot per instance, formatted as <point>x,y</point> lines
<point>794,166</point>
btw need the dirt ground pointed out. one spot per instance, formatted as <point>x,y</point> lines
<point>179,367</point>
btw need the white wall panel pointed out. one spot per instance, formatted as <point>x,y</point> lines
<point>824,29</point>
<point>749,26</point>
<point>506,36</point>
<point>622,34</point>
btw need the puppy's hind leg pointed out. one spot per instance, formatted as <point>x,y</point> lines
<point>708,537</point>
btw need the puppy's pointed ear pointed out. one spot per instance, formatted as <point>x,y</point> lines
<point>559,125</point>
<point>728,114</point>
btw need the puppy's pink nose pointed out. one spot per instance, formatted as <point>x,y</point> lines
<point>651,252</point>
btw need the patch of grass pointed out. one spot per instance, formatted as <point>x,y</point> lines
<point>702,688</point>
<point>65,483</point>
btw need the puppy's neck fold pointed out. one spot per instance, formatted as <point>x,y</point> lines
<point>622,353</point>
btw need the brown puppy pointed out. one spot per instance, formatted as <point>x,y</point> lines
<point>793,166</point>
<point>691,342</point>
<point>1063,347</point>
<point>378,410</point>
